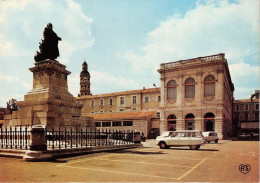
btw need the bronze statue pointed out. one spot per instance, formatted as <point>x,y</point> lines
<point>49,45</point>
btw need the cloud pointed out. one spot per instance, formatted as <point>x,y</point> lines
<point>102,82</point>
<point>107,83</point>
<point>211,28</point>
<point>74,84</point>
<point>8,78</point>
<point>67,17</point>
<point>243,76</point>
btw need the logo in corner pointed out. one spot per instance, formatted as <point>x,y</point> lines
<point>244,168</point>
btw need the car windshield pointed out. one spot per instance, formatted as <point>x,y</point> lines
<point>186,134</point>
<point>166,134</point>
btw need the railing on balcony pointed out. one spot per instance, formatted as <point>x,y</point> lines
<point>198,59</point>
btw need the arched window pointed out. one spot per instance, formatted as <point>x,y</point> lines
<point>171,90</point>
<point>209,86</point>
<point>189,122</point>
<point>190,88</point>
<point>172,122</point>
<point>209,122</point>
<point>101,102</point>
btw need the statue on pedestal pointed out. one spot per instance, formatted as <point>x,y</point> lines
<point>49,45</point>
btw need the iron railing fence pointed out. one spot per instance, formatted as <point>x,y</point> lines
<point>65,138</point>
<point>15,137</point>
<point>87,137</point>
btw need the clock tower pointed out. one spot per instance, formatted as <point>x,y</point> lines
<point>84,80</point>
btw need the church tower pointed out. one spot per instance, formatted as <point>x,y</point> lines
<point>84,80</point>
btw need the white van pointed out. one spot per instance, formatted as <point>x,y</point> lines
<point>210,136</point>
<point>192,138</point>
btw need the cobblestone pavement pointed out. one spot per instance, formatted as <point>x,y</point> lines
<point>212,163</point>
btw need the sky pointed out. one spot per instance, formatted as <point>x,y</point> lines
<point>125,41</point>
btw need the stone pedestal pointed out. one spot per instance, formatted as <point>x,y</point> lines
<point>49,103</point>
<point>37,138</point>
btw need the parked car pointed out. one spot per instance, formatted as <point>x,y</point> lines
<point>243,135</point>
<point>192,138</point>
<point>253,134</point>
<point>211,136</point>
<point>166,134</point>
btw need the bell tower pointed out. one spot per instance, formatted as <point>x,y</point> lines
<point>84,80</point>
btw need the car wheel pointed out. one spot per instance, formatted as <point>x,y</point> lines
<point>193,147</point>
<point>197,147</point>
<point>208,141</point>
<point>216,141</point>
<point>163,145</point>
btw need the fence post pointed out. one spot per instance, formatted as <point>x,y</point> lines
<point>11,138</point>
<point>26,138</point>
<point>65,138</point>
<point>59,137</point>
<point>37,138</point>
<point>137,137</point>
<point>2,140</point>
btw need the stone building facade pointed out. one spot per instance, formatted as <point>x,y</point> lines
<point>125,106</point>
<point>197,94</point>
<point>194,94</point>
<point>246,114</point>
<point>126,121</point>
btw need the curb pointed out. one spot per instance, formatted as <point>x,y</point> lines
<point>28,155</point>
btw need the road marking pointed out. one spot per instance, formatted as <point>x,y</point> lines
<point>82,160</point>
<point>193,168</point>
<point>157,156</point>
<point>118,172</point>
<point>248,154</point>
<point>141,162</point>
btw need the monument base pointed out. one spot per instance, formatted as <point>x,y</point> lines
<point>49,103</point>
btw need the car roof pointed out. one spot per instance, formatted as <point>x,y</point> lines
<point>209,132</point>
<point>188,131</point>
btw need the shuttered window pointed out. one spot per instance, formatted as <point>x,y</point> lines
<point>172,90</point>
<point>190,88</point>
<point>209,86</point>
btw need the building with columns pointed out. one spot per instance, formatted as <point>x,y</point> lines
<point>197,94</point>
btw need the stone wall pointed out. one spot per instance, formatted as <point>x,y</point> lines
<point>49,103</point>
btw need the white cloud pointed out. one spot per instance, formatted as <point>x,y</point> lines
<point>32,16</point>
<point>73,84</point>
<point>102,81</point>
<point>244,76</point>
<point>211,28</point>
<point>8,78</point>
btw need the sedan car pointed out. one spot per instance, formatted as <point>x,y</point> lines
<point>243,135</point>
<point>192,138</point>
<point>211,136</point>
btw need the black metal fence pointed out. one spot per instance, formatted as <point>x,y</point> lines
<point>87,137</point>
<point>65,138</point>
<point>15,138</point>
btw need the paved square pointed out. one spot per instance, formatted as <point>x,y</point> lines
<point>212,163</point>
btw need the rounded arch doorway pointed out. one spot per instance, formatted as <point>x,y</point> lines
<point>190,122</point>
<point>209,122</point>
<point>171,122</point>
